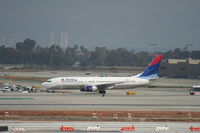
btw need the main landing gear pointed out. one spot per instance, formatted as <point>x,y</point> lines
<point>103,92</point>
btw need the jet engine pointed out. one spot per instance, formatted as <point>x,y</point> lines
<point>89,88</point>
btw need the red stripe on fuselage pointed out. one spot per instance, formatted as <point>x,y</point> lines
<point>156,60</point>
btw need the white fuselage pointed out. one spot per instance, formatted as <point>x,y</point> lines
<point>78,82</point>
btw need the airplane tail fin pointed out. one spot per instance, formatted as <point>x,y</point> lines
<point>151,72</point>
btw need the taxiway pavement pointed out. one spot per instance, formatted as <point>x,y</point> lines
<point>146,99</point>
<point>140,127</point>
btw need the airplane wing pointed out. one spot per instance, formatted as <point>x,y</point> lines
<point>103,86</point>
<point>99,87</point>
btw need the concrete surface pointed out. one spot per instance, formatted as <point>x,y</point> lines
<point>159,99</point>
<point>140,127</point>
<point>146,99</point>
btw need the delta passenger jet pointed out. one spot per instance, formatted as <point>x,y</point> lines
<point>101,84</point>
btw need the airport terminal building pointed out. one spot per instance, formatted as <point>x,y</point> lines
<point>180,68</point>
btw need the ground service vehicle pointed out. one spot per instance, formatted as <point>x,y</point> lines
<point>195,90</point>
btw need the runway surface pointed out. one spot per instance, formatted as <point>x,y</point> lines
<point>146,99</point>
<point>140,127</point>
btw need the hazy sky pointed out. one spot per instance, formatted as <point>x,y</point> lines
<point>133,24</point>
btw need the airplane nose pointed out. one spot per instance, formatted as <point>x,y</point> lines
<point>44,84</point>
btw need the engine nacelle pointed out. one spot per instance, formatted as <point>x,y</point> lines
<point>89,88</point>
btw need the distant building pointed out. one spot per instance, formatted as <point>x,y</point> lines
<point>64,40</point>
<point>180,68</point>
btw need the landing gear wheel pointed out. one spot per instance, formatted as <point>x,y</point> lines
<point>103,92</point>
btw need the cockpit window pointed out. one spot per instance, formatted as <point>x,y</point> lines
<point>48,81</point>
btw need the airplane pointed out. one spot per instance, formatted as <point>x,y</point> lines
<point>101,84</point>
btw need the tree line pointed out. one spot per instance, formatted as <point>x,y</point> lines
<point>29,52</point>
